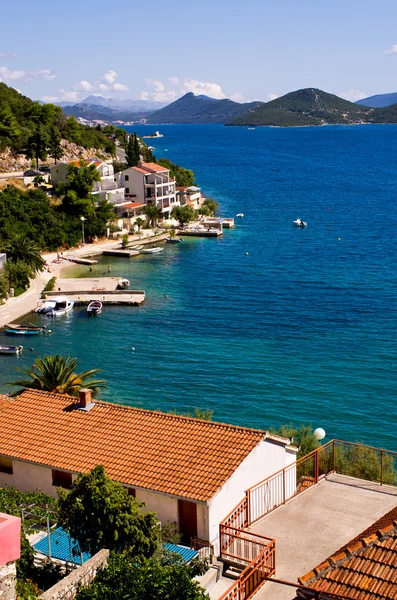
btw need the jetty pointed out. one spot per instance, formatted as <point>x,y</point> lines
<point>201,231</point>
<point>105,289</point>
<point>83,261</point>
<point>120,253</point>
<point>227,223</point>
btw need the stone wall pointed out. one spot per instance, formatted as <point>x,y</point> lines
<point>66,589</point>
<point>8,575</point>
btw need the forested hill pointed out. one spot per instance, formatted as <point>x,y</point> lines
<point>36,130</point>
<point>199,109</point>
<point>305,107</point>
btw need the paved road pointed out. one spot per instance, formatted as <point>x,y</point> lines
<point>120,154</point>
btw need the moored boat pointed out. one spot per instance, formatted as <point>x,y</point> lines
<point>57,306</point>
<point>11,349</point>
<point>123,283</point>
<point>174,240</point>
<point>154,250</point>
<point>15,329</point>
<point>94,308</point>
<point>240,215</point>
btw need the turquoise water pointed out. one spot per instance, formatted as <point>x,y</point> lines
<point>303,328</point>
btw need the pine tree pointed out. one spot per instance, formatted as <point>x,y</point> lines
<point>137,149</point>
<point>130,155</point>
<point>56,150</point>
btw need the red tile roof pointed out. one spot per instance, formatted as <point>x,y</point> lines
<point>131,205</point>
<point>176,455</point>
<point>365,568</point>
<point>153,167</point>
<point>140,170</point>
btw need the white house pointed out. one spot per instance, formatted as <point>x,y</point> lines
<point>150,184</point>
<point>105,189</point>
<point>189,471</point>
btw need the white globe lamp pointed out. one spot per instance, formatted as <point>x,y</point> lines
<point>319,433</point>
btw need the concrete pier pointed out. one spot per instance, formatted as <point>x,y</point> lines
<point>122,253</point>
<point>116,297</point>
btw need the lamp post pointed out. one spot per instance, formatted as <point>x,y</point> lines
<point>82,219</point>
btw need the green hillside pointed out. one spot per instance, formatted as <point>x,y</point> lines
<point>199,109</point>
<point>36,130</point>
<point>306,107</point>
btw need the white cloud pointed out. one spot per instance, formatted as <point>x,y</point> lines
<point>22,76</point>
<point>50,98</point>
<point>69,96</point>
<point>393,50</point>
<point>119,87</point>
<point>83,86</point>
<point>103,87</point>
<point>352,95</point>
<point>213,90</point>
<point>174,80</point>
<point>110,77</point>
<point>158,85</point>
<point>272,97</point>
<point>8,55</point>
<point>237,97</point>
<point>144,96</point>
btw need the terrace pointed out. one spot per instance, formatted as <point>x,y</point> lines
<point>293,520</point>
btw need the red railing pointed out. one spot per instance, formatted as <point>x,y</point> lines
<point>241,547</point>
<point>238,517</point>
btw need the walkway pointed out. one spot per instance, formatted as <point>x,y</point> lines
<point>317,523</point>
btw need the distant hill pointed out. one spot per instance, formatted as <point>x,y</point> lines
<point>110,109</point>
<point>379,101</point>
<point>308,106</point>
<point>199,109</point>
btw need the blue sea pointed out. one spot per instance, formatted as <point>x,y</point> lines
<point>270,324</point>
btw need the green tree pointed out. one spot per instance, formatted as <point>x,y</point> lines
<point>153,214</point>
<point>211,205</point>
<point>99,513</point>
<point>18,274</point>
<point>77,198</point>
<point>139,222</point>
<point>127,578</point>
<point>124,241</point>
<point>303,437</point>
<point>182,176</point>
<point>38,144</point>
<point>55,148</point>
<point>131,155</point>
<point>183,214</point>
<point>57,373</point>
<point>20,248</point>
<point>4,284</point>
<point>137,148</point>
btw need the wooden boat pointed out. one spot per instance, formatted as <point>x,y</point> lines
<point>154,250</point>
<point>11,350</point>
<point>15,329</point>
<point>94,308</point>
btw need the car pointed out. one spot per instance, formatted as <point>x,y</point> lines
<point>31,173</point>
<point>44,169</point>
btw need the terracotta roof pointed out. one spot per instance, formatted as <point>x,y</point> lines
<point>140,170</point>
<point>131,205</point>
<point>167,453</point>
<point>153,167</point>
<point>363,569</point>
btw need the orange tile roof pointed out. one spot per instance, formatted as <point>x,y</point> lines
<point>153,167</point>
<point>365,568</point>
<point>176,455</point>
<point>131,205</point>
<point>140,170</point>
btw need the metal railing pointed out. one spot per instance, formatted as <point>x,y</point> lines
<point>239,546</point>
<point>204,548</point>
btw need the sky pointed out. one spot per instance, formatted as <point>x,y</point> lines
<point>245,50</point>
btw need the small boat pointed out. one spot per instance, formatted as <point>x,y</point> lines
<point>251,128</point>
<point>94,308</point>
<point>55,307</point>
<point>174,240</point>
<point>11,350</point>
<point>299,223</point>
<point>139,247</point>
<point>123,283</point>
<point>240,215</point>
<point>15,329</point>
<point>154,250</point>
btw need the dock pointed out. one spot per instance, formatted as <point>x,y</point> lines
<point>83,261</point>
<point>227,223</point>
<point>121,253</point>
<point>116,297</point>
<point>201,232</point>
<point>92,284</point>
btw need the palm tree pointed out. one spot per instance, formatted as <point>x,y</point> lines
<point>153,214</point>
<point>57,374</point>
<point>21,248</point>
<point>139,222</point>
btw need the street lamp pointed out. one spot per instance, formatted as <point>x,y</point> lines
<point>82,219</point>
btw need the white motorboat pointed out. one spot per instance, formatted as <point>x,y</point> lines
<point>300,223</point>
<point>11,350</point>
<point>123,284</point>
<point>154,250</point>
<point>94,308</point>
<point>57,306</point>
<point>240,215</point>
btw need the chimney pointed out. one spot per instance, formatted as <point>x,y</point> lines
<point>85,397</point>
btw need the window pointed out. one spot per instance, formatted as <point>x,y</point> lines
<point>5,465</point>
<point>132,492</point>
<point>127,190</point>
<point>126,178</point>
<point>62,479</point>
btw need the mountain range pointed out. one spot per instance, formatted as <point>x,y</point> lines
<point>379,101</point>
<point>100,107</point>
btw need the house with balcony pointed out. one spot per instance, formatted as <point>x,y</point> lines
<point>150,184</point>
<point>189,471</point>
<point>189,195</point>
<point>106,188</point>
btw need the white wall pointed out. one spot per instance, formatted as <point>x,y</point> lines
<point>30,477</point>
<point>265,459</point>
<point>166,507</point>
